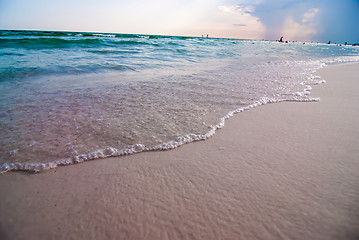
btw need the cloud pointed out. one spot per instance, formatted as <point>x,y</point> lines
<point>319,20</point>
<point>303,30</point>
<point>310,15</point>
<point>291,18</point>
<point>293,30</point>
<point>240,25</point>
<point>250,26</point>
<point>229,9</point>
<point>236,9</point>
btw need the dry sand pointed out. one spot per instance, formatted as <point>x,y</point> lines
<point>281,171</point>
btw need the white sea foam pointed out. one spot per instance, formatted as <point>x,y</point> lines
<point>138,148</point>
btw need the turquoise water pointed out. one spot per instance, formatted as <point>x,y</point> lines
<point>70,97</point>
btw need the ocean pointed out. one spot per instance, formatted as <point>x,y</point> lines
<point>70,97</point>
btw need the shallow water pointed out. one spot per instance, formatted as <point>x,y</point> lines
<point>71,97</point>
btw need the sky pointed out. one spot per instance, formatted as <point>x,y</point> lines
<point>295,20</point>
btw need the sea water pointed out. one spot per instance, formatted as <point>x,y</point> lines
<point>69,97</point>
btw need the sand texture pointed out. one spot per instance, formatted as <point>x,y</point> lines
<point>281,171</point>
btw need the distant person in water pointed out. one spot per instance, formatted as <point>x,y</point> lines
<point>329,42</point>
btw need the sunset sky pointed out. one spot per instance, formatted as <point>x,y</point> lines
<point>302,20</point>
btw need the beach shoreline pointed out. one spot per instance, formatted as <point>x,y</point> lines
<point>281,171</point>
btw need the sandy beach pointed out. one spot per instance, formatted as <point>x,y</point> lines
<point>281,171</point>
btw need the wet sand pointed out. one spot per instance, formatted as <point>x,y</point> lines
<point>280,171</point>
